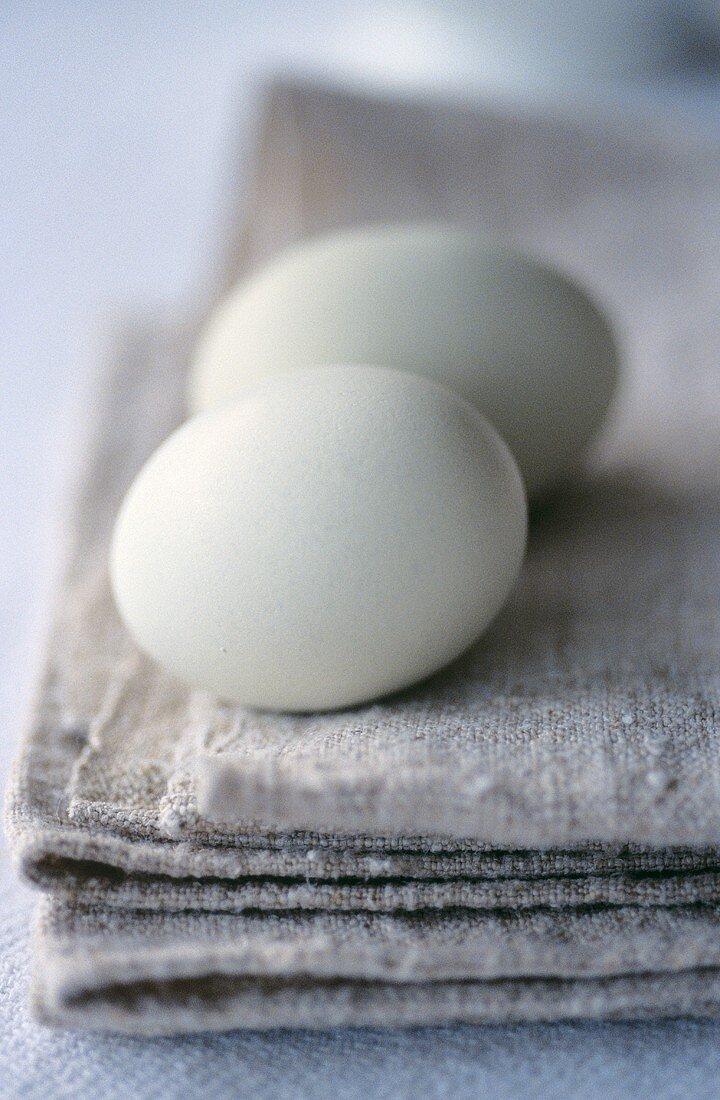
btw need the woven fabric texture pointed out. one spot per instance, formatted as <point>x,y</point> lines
<point>534,833</point>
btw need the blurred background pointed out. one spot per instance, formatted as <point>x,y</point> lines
<point>120,124</point>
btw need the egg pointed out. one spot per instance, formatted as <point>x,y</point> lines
<point>519,340</point>
<point>334,535</point>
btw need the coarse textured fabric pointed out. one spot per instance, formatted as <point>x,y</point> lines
<point>532,834</point>
<point>146,975</point>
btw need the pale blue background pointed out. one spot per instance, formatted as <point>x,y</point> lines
<point>120,124</point>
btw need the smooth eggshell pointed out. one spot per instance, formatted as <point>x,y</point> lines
<point>519,340</point>
<point>333,536</point>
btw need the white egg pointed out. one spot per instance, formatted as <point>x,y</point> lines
<point>336,534</point>
<point>516,338</point>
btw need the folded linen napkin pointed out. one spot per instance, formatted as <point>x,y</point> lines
<point>532,834</point>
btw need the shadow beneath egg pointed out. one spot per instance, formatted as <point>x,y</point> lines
<point>608,599</point>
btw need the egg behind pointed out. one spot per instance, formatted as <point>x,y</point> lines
<point>336,534</point>
<point>516,338</point>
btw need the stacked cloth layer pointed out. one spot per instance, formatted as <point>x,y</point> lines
<point>532,834</point>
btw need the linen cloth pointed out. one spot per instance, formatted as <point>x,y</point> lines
<point>532,834</point>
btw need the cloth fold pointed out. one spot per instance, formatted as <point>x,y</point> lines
<point>532,834</point>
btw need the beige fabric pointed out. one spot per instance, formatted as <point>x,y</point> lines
<point>532,834</point>
<point>156,972</point>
